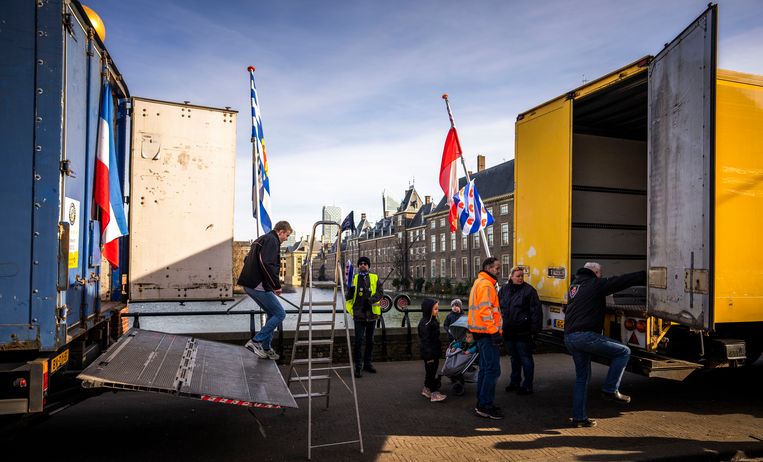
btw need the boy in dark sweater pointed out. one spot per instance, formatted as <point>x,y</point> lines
<point>431,350</point>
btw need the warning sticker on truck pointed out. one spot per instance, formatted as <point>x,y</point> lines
<point>71,208</point>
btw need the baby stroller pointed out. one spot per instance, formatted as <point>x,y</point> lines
<point>461,357</point>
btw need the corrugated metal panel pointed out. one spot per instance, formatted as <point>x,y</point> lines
<point>189,367</point>
<point>681,162</point>
<point>181,236</point>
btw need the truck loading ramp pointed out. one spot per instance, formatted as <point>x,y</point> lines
<point>144,360</point>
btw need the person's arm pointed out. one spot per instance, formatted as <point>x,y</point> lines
<point>617,283</point>
<point>270,263</point>
<point>536,313</point>
<point>349,294</point>
<point>379,293</point>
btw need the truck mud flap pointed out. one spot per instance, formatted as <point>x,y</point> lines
<point>144,360</point>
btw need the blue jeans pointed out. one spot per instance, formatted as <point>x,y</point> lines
<point>490,370</point>
<point>275,313</point>
<point>363,330</point>
<point>521,353</point>
<point>582,345</point>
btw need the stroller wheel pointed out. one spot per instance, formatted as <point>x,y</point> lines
<point>458,389</point>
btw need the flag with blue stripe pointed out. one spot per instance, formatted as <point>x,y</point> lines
<point>260,178</point>
<point>471,212</point>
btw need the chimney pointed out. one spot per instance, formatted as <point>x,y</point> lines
<point>362,216</point>
<point>480,162</point>
<point>427,199</point>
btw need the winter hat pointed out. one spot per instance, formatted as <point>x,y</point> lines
<point>456,303</point>
<point>426,307</point>
<point>365,260</point>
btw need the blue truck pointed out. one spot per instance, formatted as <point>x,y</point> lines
<point>58,309</point>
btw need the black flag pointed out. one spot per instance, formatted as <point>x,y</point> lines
<point>349,222</point>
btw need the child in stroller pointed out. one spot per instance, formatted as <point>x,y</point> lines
<point>461,357</point>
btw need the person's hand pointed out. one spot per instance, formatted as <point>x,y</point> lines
<point>277,291</point>
<point>496,339</point>
<point>430,361</point>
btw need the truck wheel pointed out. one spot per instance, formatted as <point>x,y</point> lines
<point>754,349</point>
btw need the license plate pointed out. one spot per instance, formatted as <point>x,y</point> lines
<point>559,323</point>
<point>59,361</point>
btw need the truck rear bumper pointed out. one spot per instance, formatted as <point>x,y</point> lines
<point>14,406</point>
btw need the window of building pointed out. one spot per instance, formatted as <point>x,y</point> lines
<point>452,241</point>
<point>504,234</point>
<point>505,265</point>
<point>399,236</point>
<point>504,209</point>
<point>464,267</point>
<point>434,243</point>
<point>432,265</point>
<point>464,242</point>
<point>432,224</point>
<point>442,242</point>
<point>453,268</point>
<point>410,235</point>
<point>442,222</point>
<point>490,210</point>
<point>477,265</point>
<point>477,241</point>
<point>442,268</point>
<point>489,232</point>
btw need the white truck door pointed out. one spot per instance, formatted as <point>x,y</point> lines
<point>681,162</point>
<point>181,210</point>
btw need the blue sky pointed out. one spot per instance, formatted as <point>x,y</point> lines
<point>350,92</point>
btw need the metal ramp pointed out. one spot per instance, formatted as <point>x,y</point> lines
<point>144,360</point>
<point>312,375</point>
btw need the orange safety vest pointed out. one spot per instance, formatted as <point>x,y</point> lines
<point>484,309</point>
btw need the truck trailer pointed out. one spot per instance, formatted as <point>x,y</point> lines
<point>61,302</point>
<point>655,166</point>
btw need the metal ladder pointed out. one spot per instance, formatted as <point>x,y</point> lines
<point>325,367</point>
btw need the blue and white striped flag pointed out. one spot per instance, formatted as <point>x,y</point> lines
<point>471,213</point>
<point>260,178</point>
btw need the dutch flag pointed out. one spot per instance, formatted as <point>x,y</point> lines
<point>108,193</point>
<point>471,213</point>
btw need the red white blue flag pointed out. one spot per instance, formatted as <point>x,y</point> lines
<point>108,193</point>
<point>471,212</point>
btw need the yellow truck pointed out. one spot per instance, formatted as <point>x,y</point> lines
<point>657,166</point>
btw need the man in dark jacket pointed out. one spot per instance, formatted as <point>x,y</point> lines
<point>583,325</point>
<point>363,305</point>
<point>522,319</point>
<point>259,278</point>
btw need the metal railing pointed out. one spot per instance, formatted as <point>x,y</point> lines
<point>253,327</point>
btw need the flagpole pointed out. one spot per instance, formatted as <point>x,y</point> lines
<point>255,163</point>
<point>463,163</point>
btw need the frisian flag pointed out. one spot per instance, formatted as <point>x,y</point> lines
<point>107,190</point>
<point>260,178</point>
<point>349,273</point>
<point>471,212</point>
<point>448,177</point>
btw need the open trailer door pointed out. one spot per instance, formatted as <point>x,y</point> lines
<point>681,148</point>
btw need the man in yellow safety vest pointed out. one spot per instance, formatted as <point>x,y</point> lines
<point>363,305</point>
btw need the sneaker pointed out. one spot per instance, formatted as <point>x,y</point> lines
<point>358,374</point>
<point>256,348</point>
<point>437,397</point>
<point>426,393</point>
<point>272,354</point>
<point>369,368</point>
<point>491,413</point>
<point>585,423</point>
<point>616,396</point>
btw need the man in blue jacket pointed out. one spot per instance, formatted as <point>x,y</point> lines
<point>260,279</point>
<point>583,326</point>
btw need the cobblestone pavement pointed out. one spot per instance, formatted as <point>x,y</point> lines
<point>707,417</point>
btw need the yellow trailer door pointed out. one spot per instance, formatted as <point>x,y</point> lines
<point>681,115</point>
<point>542,175</point>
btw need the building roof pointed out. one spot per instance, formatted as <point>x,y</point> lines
<point>491,182</point>
<point>418,219</point>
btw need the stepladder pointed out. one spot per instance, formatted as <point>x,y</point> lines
<point>312,368</point>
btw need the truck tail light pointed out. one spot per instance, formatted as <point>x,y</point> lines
<point>20,383</point>
<point>630,324</point>
<point>641,326</point>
